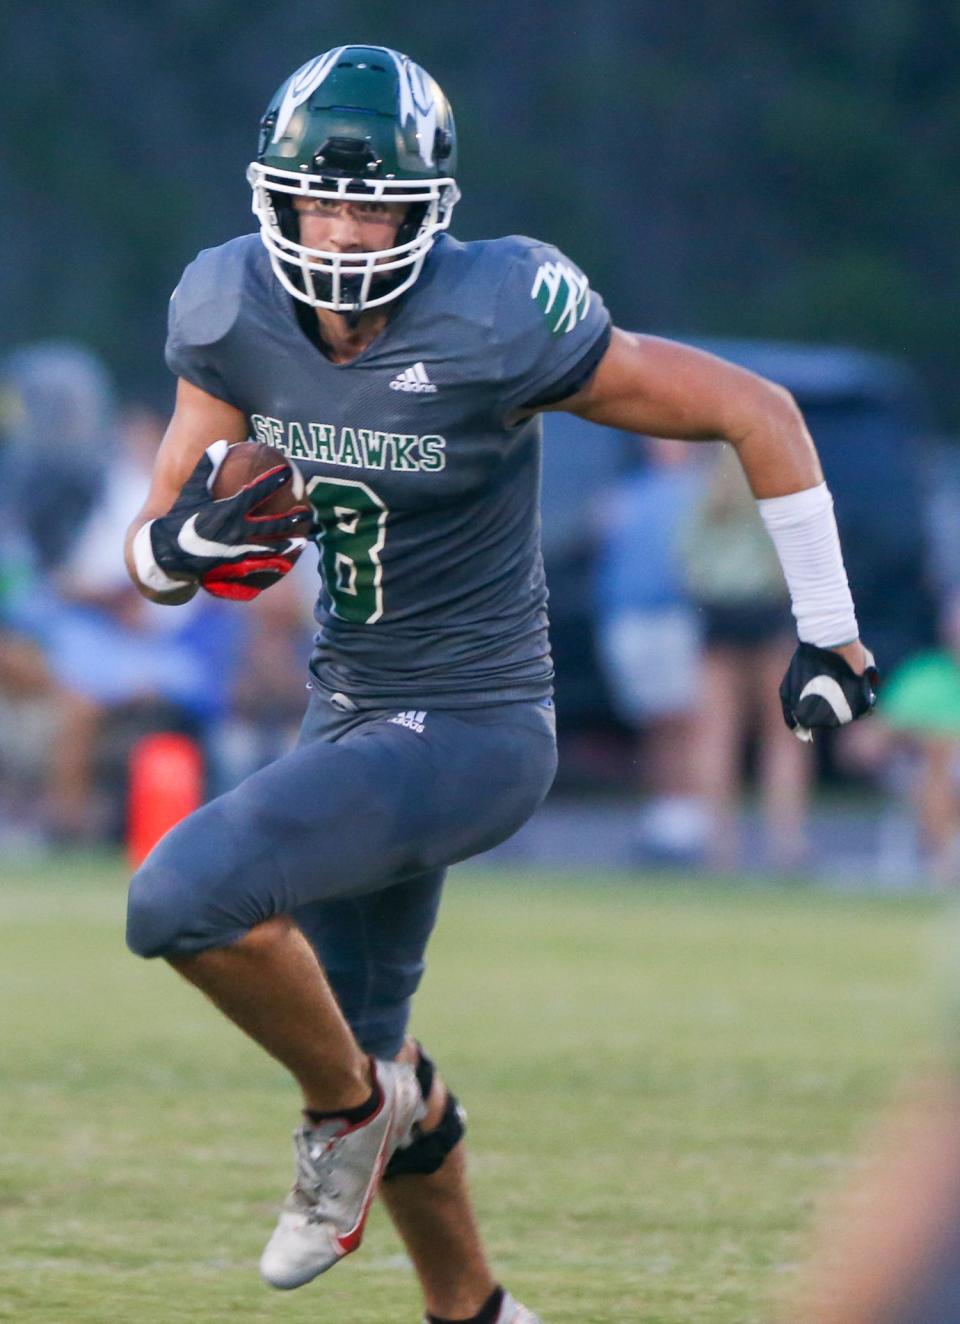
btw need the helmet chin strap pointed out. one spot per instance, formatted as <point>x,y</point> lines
<point>352,318</point>
<point>350,289</point>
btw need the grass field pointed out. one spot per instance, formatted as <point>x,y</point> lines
<point>661,1081</point>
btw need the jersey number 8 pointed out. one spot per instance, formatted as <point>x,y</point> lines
<point>352,530</point>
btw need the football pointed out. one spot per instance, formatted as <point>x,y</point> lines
<point>244,462</point>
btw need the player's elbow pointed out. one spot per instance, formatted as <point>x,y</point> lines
<point>783,404</point>
<point>767,410</point>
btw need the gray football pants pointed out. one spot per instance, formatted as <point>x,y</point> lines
<point>350,833</point>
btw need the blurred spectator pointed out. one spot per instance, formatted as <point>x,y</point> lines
<point>648,640</point>
<point>734,577</point>
<point>869,416</point>
<point>56,441</point>
<point>87,665</point>
<point>268,687</point>
<point>29,700</point>
<point>29,724</point>
<point>914,747</point>
<point>124,665</point>
<point>57,428</point>
<point>921,703</point>
<point>889,1252</point>
<point>886,1249</point>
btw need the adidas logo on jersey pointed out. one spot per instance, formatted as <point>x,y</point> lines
<point>413,379</point>
<point>413,721</point>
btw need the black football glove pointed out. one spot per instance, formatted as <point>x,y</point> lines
<point>224,544</point>
<point>821,690</point>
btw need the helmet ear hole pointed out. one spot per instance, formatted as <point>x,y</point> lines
<point>267,126</point>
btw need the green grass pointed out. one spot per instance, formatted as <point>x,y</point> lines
<point>661,1080</point>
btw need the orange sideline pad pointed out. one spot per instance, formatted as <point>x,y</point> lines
<point>166,784</point>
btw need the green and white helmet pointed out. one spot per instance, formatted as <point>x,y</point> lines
<point>358,124</point>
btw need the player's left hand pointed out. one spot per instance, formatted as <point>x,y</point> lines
<point>822,689</point>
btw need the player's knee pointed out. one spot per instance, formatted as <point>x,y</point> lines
<point>159,912</point>
<point>167,915</point>
<point>153,918</point>
<point>198,888</point>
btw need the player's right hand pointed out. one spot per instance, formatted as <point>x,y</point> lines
<point>224,544</point>
<point>822,690</point>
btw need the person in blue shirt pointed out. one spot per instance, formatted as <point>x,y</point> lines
<point>649,642</point>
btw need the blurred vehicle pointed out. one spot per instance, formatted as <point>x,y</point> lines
<point>582,462</point>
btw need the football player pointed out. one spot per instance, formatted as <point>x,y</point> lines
<point>404,372</point>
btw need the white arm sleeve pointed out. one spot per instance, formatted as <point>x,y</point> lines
<point>804,532</point>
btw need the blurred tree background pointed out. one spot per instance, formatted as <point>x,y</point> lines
<point>734,168</point>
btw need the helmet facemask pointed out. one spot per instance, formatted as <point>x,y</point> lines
<point>348,282</point>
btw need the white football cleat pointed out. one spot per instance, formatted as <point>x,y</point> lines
<point>338,1166</point>
<point>511,1312</point>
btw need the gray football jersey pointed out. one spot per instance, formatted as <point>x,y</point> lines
<point>425,488</point>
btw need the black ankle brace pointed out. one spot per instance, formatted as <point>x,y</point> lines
<point>428,1149</point>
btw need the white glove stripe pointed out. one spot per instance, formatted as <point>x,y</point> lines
<point>148,571</point>
<point>194,544</point>
<point>828,689</point>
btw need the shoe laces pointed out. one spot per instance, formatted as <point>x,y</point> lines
<point>316,1152</point>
